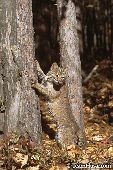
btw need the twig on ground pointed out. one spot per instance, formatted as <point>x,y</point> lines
<point>90,74</point>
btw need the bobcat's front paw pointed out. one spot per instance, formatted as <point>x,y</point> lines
<point>33,82</point>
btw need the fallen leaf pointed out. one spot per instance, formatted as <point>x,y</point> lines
<point>72,151</point>
<point>21,159</point>
<point>33,168</point>
<point>98,138</point>
<point>59,167</point>
<point>110,152</point>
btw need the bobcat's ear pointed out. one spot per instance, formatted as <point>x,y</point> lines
<point>54,66</point>
<point>64,71</point>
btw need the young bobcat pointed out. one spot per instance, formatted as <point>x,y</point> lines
<point>54,89</point>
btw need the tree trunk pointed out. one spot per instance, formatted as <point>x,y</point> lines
<point>70,59</point>
<point>17,55</point>
<point>1,101</point>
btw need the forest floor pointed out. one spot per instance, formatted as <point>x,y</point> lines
<point>19,153</point>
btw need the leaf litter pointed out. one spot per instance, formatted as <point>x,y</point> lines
<point>20,153</point>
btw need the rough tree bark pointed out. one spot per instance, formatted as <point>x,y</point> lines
<point>1,101</point>
<point>17,64</point>
<point>70,59</point>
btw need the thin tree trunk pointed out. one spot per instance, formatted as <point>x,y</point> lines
<point>21,114</point>
<point>70,59</point>
<point>1,101</point>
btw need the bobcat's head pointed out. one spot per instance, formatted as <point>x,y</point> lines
<point>56,74</point>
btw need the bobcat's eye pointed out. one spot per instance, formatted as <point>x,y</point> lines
<point>56,75</point>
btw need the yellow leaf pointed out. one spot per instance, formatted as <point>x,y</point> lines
<point>21,159</point>
<point>33,167</point>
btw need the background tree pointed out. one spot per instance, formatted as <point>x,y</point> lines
<point>70,59</point>
<point>17,68</point>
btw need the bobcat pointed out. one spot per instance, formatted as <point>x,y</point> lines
<point>54,91</point>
